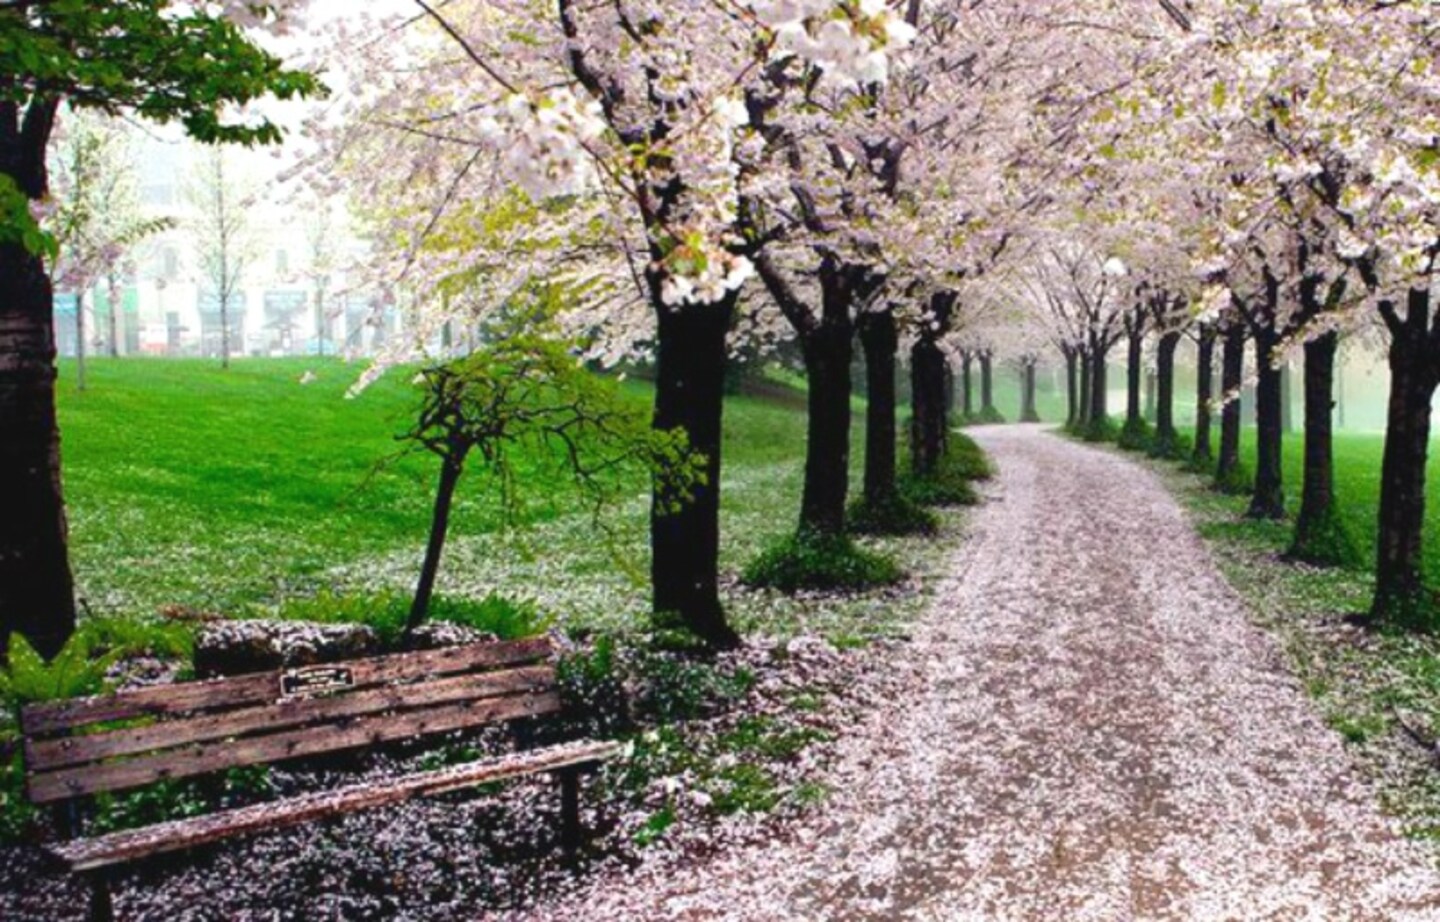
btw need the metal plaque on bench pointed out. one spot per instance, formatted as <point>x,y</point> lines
<point>314,681</point>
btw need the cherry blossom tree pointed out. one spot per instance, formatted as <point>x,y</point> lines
<point>616,116</point>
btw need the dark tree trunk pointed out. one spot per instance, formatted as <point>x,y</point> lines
<point>1082,412</point>
<point>1166,438</point>
<point>987,385</point>
<point>1232,376</point>
<point>36,588</point>
<point>1268,499</point>
<point>1072,385</point>
<point>1204,393</point>
<point>827,349</point>
<point>1319,536</point>
<point>927,390</point>
<point>1099,412</point>
<point>37,593</point>
<point>1399,572</point>
<point>685,536</point>
<point>880,342</point>
<point>1135,357</point>
<point>967,384</point>
<point>450,469</point>
<point>1028,413</point>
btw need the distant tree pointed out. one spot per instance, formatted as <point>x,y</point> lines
<point>320,265</point>
<point>158,60</point>
<point>225,243</point>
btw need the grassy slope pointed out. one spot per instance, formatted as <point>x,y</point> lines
<point>229,490</point>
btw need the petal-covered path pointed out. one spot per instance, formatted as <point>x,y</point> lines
<point>1092,729</point>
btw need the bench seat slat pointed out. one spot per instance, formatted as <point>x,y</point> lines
<point>51,754</point>
<point>129,845</point>
<point>263,687</point>
<point>47,787</point>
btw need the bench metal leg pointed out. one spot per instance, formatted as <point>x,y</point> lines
<point>570,812</point>
<point>102,908</point>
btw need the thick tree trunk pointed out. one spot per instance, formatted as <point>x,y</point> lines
<point>880,342</point>
<point>1167,440</point>
<point>1400,593</point>
<point>1268,499</point>
<point>929,429</point>
<point>1320,537</point>
<point>450,469</point>
<point>1099,412</point>
<point>1232,376</point>
<point>1082,412</point>
<point>1201,456</point>
<point>987,386</point>
<point>37,593</point>
<point>1134,358</point>
<point>967,385</point>
<point>827,351</point>
<point>1072,385</point>
<point>685,535</point>
<point>1028,413</point>
<point>36,587</point>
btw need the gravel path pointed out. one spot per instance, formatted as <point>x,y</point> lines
<point>1087,726</point>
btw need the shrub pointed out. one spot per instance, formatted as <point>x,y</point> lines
<point>1237,482</point>
<point>950,485</point>
<point>938,490</point>
<point>1099,430</point>
<point>76,670</point>
<point>965,457</point>
<point>893,515</point>
<point>506,618</point>
<point>675,687</point>
<point>989,415</point>
<point>386,613</point>
<point>1135,435</point>
<point>1170,447</point>
<point>163,638</point>
<point>1324,542</point>
<point>815,561</point>
<point>593,689</point>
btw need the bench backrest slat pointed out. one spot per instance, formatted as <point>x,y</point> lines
<point>254,750</point>
<point>200,727</point>
<point>260,688</point>
<point>47,755</point>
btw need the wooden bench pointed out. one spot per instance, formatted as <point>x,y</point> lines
<point>78,748</point>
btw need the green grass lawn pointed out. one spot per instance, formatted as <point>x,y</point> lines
<point>230,491</point>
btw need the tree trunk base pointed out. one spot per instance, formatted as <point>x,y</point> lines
<point>1323,541</point>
